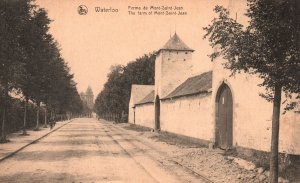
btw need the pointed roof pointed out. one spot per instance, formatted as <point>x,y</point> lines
<point>148,99</point>
<point>138,92</point>
<point>89,91</point>
<point>175,43</point>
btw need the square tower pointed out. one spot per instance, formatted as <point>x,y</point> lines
<point>173,65</point>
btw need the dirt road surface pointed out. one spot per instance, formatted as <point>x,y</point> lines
<point>86,151</point>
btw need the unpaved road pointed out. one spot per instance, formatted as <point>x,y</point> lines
<point>87,150</point>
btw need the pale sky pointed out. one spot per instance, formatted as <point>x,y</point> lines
<point>93,42</point>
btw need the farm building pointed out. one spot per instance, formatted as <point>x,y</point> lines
<point>213,107</point>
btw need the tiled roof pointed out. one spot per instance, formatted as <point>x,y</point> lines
<point>175,43</point>
<point>138,92</point>
<point>148,99</point>
<point>194,85</point>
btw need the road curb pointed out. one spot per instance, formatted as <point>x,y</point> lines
<point>33,142</point>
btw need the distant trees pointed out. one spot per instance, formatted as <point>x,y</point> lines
<point>268,48</point>
<point>114,98</point>
<point>31,63</point>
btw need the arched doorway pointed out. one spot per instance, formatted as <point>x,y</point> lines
<point>157,113</point>
<point>224,113</point>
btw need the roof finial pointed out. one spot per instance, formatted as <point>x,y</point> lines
<point>170,32</point>
<point>175,28</point>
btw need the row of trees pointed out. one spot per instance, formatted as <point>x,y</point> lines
<point>112,102</point>
<point>31,65</point>
<point>269,47</point>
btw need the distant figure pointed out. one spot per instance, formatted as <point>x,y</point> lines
<point>52,124</point>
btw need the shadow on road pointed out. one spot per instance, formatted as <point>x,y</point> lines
<point>52,156</point>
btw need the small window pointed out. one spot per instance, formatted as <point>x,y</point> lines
<point>186,52</point>
<point>183,59</point>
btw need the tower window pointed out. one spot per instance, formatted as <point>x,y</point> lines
<point>183,59</point>
<point>186,52</point>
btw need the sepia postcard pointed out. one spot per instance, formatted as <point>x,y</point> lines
<point>142,91</point>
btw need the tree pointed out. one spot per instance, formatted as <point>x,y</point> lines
<point>38,44</point>
<point>28,34</point>
<point>114,98</point>
<point>61,95</point>
<point>46,76</point>
<point>31,63</point>
<point>268,48</point>
<point>13,16</point>
<point>43,56</point>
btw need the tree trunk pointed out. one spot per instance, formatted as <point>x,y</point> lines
<point>45,121</point>
<point>297,5</point>
<point>3,132</point>
<point>25,117</point>
<point>275,135</point>
<point>3,126</point>
<point>52,116</point>
<point>38,116</point>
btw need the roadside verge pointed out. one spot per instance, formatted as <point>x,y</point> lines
<point>19,142</point>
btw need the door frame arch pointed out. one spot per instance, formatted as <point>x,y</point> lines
<point>223,85</point>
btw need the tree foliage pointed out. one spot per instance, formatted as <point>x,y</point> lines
<point>11,53</point>
<point>114,98</point>
<point>13,15</point>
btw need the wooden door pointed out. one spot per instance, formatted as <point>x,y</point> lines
<point>224,118</point>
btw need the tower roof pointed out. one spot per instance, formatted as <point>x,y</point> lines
<point>89,91</point>
<point>175,43</point>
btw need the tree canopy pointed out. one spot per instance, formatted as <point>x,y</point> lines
<point>31,62</point>
<point>115,96</point>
